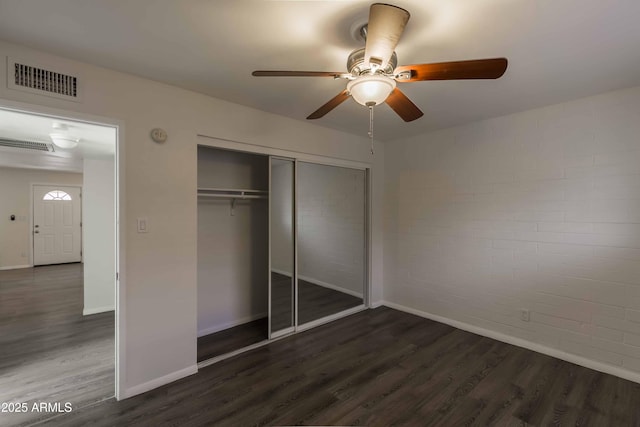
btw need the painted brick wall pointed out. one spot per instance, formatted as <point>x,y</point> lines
<point>538,210</point>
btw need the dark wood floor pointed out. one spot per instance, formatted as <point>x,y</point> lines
<point>232,339</point>
<point>378,368</point>
<point>315,302</point>
<point>49,351</point>
<point>281,302</point>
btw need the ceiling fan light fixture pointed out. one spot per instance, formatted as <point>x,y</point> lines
<point>371,89</point>
<point>373,71</point>
<point>63,141</point>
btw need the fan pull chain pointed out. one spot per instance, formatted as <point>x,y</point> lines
<point>371,125</point>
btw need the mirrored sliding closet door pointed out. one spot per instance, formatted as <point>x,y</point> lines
<point>282,247</point>
<point>331,240</point>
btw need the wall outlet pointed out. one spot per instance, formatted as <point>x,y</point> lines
<point>525,315</point>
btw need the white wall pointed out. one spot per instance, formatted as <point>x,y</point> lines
<point>331,225</point>
<point>538,210</point>
<point>15,193</point>
<point>98,235</point>
<point>159,310</point>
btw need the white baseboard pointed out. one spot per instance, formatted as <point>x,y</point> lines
<point>15,267</point>
<point>159,382</point>
<point>96,310</point>
<point>330,286</point>
<point>538,348</point>
<point>281,272</point>
<point>376,304</point>
<point>221,327</point>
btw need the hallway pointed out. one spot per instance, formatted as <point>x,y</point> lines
<point>49,351</point>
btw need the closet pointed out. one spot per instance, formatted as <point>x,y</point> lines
<point>282,247</point>
<point>233,250</point>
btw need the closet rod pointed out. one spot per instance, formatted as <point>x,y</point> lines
<point>232,190</point>
<point>233,196</point>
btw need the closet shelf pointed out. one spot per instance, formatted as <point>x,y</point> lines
<point>228,193</point>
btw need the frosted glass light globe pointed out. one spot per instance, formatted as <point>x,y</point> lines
<point>371,89</point>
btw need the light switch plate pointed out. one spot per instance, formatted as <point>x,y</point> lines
<point>143,225</point>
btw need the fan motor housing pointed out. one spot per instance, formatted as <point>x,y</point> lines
<point>357,67</point>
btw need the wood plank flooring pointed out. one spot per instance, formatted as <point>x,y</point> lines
<point>281,301</point>
<point>378,368</point>
<point>49,351</point>
<point>231,339</point>
<point>315,302</point>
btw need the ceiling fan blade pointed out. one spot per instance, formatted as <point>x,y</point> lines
<point>260,73</point>
<point>386,25</point>
<point>457,70</point>
<point>333,103</point>
<point>403,106</point>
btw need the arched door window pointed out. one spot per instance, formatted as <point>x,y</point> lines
<point>56,195</point>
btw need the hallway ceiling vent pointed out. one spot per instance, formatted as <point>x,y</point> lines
<point>43,81</point>
<point>26,145</point>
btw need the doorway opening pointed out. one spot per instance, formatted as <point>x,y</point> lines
<point>59,251</point>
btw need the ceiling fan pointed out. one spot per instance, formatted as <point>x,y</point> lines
<point>374,71</point>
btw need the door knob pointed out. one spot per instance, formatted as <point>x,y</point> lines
<point>36,231</point>
<point>37,226</point>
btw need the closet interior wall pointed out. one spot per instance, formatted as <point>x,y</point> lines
<point>233,243</point>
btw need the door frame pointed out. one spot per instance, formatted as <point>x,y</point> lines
<point>120,219</point>
<point>32,254</point>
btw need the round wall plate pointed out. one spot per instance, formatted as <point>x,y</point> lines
<point>158,135</point>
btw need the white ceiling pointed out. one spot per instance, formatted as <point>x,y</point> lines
<point>96,142</point>
<point>558,50</point>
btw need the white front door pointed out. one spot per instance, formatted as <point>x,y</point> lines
<point>56,224</point>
